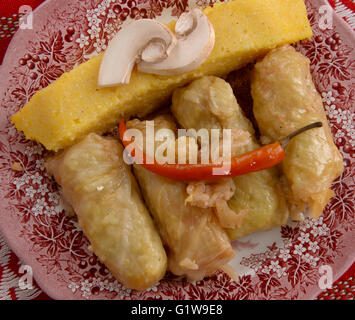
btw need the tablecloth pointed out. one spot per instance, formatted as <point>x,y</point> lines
<point>343,288</point>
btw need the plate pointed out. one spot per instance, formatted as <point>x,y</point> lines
<point>283,263</point>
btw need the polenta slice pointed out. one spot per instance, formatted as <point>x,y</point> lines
<point>73,106</point>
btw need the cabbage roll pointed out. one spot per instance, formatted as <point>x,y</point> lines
<point>106,199</point>
<point>209,103</point>
<point>196,244</point>
<point>285,99</point>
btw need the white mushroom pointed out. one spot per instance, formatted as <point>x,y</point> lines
<point>146,38</point>
<point>155,51</point>
<point>196,38</point>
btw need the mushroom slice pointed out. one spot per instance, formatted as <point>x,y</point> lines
<point>126,48</point>
<point>195,42</point>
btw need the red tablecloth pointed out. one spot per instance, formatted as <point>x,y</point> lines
<point>343,288</point>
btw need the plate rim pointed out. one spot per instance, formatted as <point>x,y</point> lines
<point>52,292</point>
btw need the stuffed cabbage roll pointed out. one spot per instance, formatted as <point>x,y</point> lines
<point>106,199</point>
<point>285,99</point>
<point>196,244</point>
<point>258,200</point>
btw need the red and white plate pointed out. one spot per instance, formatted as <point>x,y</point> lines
<point>283,263</point>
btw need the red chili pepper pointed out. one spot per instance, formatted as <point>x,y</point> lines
<point>259,159</point>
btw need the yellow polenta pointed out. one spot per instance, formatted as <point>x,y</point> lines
<point>73,106</point>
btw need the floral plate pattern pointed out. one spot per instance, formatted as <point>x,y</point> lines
<point>283,263</point>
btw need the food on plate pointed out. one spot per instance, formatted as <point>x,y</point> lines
<point>239,80</point>
<point>286,99</point>
<point>73,106</point>
<point>195,40</point>
<point>196,244</point>
<point>106,199</point>
<point>153,42</point>
<point>157,49</point>
<point>209,103</point>
<point>188,214</point>
<point>262,158</point>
